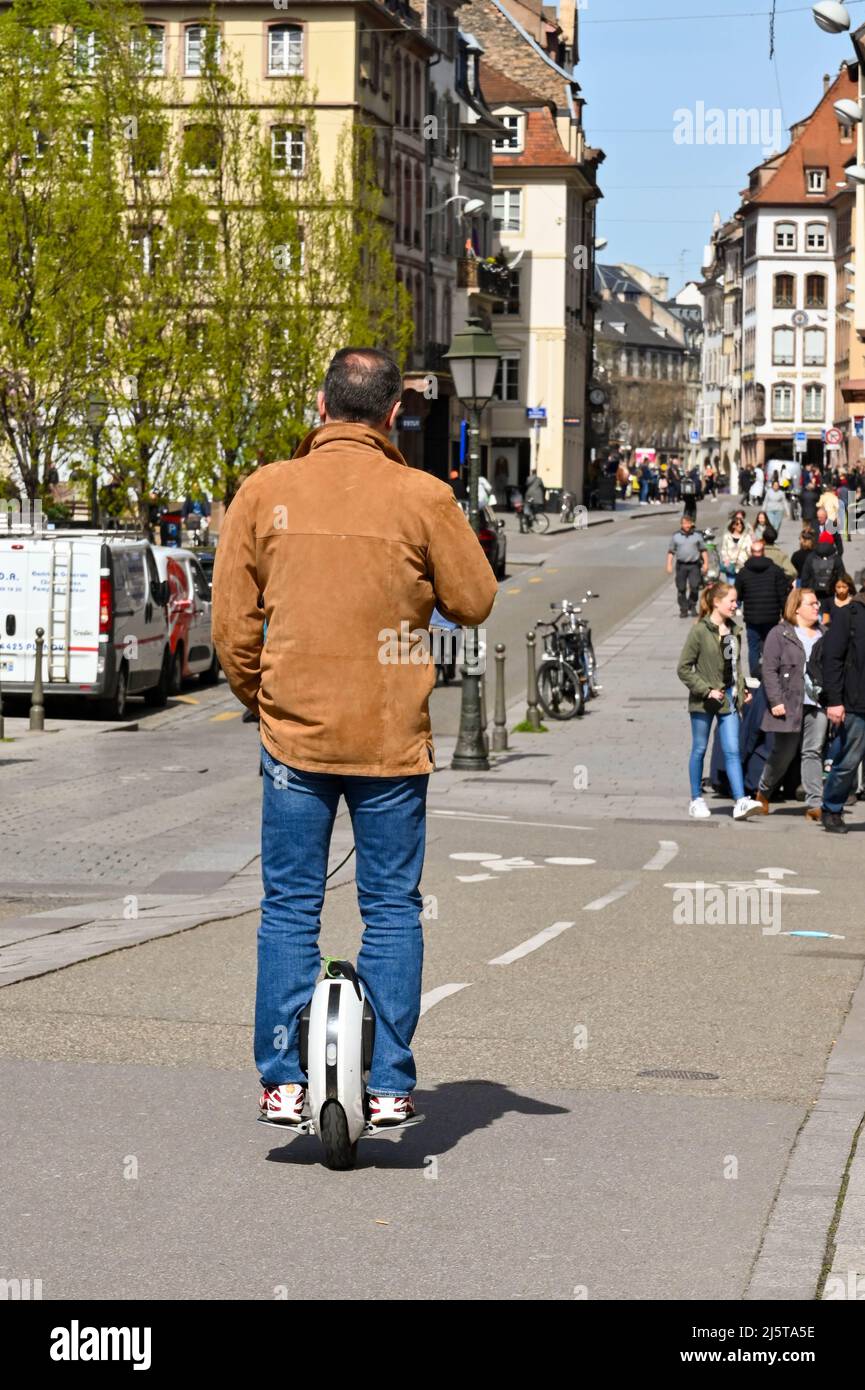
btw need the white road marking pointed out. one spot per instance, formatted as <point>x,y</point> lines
<point>665,854</point>
<point>610,897</point>
<point>637,546</point>
<point>562,859</point>
<point>508,820</point>
<point>475,856</point>
<point>472,878</point>
<point>532,944</point>
<point>435,996</point>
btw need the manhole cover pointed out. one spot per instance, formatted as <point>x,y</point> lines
<point>676,1074</point>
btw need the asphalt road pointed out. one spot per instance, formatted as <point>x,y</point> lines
<point>554,1162</point>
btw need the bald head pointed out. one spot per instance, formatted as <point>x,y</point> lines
<point>363,385</point>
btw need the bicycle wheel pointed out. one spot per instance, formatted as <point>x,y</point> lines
<point>590,667</point>
<point>541,522</point>
<point>560,690</point>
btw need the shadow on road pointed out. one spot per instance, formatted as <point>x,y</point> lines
<point>453,1110</point>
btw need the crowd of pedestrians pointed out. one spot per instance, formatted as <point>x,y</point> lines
<point>802,707</point>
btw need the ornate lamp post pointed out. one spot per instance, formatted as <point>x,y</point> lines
<point>474,358</point>
<point>97,414</point>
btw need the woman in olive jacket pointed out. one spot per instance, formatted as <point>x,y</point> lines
<point>710,666</point>
<point>793,711</point>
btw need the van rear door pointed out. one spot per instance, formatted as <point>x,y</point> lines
<point>52,583</point>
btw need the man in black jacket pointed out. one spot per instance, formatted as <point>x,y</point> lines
<point>844,691</point>
<point>762,587</point>
<point>823,567</point>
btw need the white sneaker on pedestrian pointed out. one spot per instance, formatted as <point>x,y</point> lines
<point>745,808</point>
<point>699,810</point>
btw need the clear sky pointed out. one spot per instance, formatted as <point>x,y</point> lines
<point>638,68</point>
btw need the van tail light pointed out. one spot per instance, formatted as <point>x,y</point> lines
<point>105,604</point>
<point>486,537</point>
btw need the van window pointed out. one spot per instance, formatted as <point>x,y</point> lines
<point>152,571</point>
<point>134,581</point>
<point>202,588</point>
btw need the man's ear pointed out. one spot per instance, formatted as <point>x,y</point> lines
<point>392,414</point>
<point>319,400</point>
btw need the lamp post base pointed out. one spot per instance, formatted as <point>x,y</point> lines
<point>470,754</point>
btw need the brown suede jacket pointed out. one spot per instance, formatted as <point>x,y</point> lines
<point>337,548</point>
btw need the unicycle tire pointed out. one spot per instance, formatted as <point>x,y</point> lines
<point>339,1152</point>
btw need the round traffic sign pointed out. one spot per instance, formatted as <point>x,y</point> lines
<point>833,436</point>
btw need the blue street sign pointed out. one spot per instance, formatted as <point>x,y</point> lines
<point>801,437</point>
<point>464,440</point>
<point>694,436</point>
<point>536,412</point>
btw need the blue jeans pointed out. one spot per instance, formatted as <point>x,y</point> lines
<point>728,732</point>
<point>388,816</point>
<point>841,779</point>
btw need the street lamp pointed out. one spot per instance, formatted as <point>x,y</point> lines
<point>474,363</point>
<point>97,414</point>
<point>831,16</point>
<point>474,359</point>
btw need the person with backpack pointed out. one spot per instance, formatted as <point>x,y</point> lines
<point>762,589</point>
<point>822,569</point>
<point>689,497</point>
<point>792,679</point>
<point>778,556</point>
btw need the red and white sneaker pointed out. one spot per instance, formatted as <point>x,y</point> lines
<point>390,1110</point>
<point>283,1103</point>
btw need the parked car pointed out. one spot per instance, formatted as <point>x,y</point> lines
<point>189,617</point>
<point>207,559</point>
<point>492,538</point>
<point>102,605</point>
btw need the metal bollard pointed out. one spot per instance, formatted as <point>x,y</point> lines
<point>37,703</point>
<point>500,723</point>
<point>533,713</point>
<point>484,716</point>
<point>470,754</point>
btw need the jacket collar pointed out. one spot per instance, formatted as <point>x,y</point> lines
<point>350,432</point>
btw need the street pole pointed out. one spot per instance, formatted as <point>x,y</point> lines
<point>94,481</point>
<point>474,469</point>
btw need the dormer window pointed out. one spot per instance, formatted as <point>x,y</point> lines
<point>815,180</point>
<point>512,142</point>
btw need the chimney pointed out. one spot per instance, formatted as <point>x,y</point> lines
<point>827,82</point>
<point>568,21</point>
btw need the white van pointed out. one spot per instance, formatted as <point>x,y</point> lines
<point>189,617</point>
<point>102,605</point>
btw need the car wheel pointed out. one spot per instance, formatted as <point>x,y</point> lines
<point>114,706</point>
<point>211,675</point>
<point>175,672</point>
<point>158,696</point>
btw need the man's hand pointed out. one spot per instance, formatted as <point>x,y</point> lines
<point>748,697</point>
<point>669,564</point>
<point>778,711</point>
<point>836,714</point>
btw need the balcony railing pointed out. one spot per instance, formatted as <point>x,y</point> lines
<point>491,278</point>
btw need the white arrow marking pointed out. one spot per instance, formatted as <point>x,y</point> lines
<point>778,873</point>
<point>472,878</point>
<point>667,852</point>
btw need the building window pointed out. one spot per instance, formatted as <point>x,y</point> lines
<point>813,402</point>
<point>845,132</point>
<point>144,245</point>
<point>513,141</point>
<point>28,159</point>
<point>85,144</point>
<point>815,180</point>
<point>782,402</point>
<point>199,253</point>
<point>815,347</point>
<point>507,387</point>
<point>202,46</point>
<point>750,240</point>
<point>511,304</point>
<point>148,148</point>
<point>148,49</point>
<point>815,236</point>
<point>397,89</point>
<point>784,347</point>
<point>507,209</point>
<point>785,236</point>
<point>84,50</point>
<point>285,50</point>
<point>785,292</point>
<point>201,149</point>
<point>287,149</point>
<point>815,291</point>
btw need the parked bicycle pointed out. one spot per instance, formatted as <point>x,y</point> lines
<point>530,519</point>
<point>568,673</point>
